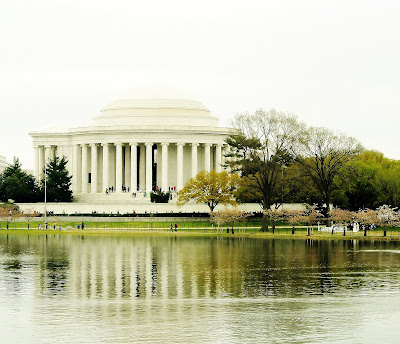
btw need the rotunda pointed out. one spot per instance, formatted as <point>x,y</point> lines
<point>148,139</point>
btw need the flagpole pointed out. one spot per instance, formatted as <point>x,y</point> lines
<point>45,197</point>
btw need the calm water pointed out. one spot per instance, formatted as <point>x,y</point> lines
<point>147,289</point>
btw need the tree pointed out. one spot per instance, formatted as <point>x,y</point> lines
<point>9,211</point>
<point>293,217</point>
<point>228,216</point>
<point>311,215</point>
<point>342,217</point>
<point>387,182</point>
<point>266,143</point>
<point>387,216</point>
<point>274,215</point>
<point>357,181</point>
<point>323,154</point>
<point>58,181</point>
<point>211,188</point>
<point>18,185</point>
<point>366,217</point>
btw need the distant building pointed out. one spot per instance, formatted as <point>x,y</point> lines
<point>3,163</point>
<point>151,139</point>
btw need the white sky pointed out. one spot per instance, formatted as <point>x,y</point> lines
<point>332,63</point>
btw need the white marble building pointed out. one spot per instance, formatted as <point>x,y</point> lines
<point>146,140</point>
<point>3,163</point>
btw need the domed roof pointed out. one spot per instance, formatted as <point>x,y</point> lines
<point>155,106</point>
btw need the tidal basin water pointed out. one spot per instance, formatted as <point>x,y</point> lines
<point>187,289</point>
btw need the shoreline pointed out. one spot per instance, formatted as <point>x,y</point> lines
<point>377,236</point>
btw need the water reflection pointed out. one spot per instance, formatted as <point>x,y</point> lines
<point>193,289</point>
<point>181,267</point>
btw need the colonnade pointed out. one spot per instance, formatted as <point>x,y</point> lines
<point>99,166</point>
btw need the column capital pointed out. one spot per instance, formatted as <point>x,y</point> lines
<point>133,144</point>
<point>118,144</point>
<point>148,143</point>
<point>180,143</point>
<point>83,145</point>
<point>195,144</point>
<point>47,146</point>
<point>218,144</point>
<point>93,144</point>
<point>104,144</point>
<point>164,143</point>
<point>207,144</point>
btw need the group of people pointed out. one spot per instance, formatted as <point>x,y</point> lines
<point>112,189</point>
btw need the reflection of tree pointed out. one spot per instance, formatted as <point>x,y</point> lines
<point>190,267</point>
<point>56,274</point>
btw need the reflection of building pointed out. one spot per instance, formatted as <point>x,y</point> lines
<point>3,163</point>
<point>148,139</point>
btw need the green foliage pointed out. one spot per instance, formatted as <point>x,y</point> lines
<point>18,185</point>
<point>356,183</point>
<point>58,181</point>
<point>159,196</point>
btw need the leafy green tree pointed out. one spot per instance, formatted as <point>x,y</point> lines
<point>266,143</point>
<point>388,182</point>
<point>357,182</point>
<point>58,181</point>
<point>18,185</point>
<point>211,188</point>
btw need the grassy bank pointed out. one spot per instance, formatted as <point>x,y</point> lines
<point>280,233</point>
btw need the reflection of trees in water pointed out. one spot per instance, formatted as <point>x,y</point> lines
<point>55,274</point>
<point>197,267</point>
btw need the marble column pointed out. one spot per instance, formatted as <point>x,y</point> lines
<point>52,152</point>
<point>142,168</point>
<point>218,158</point>
<point>149,167</point>
<point>41,160</point>
<point>164,167</point>
<point>77,163</point>
<point>47,154</point>
<point>194,159</point>
<point>134,183</point>
<point>127,182</point>
<point>179,166</point>
<point>118,167</point>
<point>94,163</point>
<point>106,155</point>
<point>36,172</point>
<point>84,169</point>
<point>227,159</point>
<point>207,158</point>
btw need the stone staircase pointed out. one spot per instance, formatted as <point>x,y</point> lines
<point>116,198</point>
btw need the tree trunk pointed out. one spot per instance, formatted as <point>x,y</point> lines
<point>264,223</point>
<point>273,226</point>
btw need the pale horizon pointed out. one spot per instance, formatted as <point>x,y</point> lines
<point>332,64</point>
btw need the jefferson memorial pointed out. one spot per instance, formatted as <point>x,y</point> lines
<point>150,139</point>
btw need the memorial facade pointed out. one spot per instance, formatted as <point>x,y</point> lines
<point>144,141</point>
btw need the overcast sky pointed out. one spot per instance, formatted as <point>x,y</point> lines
<point>332,63</point>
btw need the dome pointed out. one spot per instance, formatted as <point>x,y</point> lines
<point>155,106</point>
